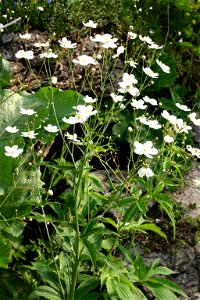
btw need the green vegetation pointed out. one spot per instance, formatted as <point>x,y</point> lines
<point>130,114</point>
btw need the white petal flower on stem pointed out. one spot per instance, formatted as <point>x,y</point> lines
<point>138,104</point>
<point>117,98</point>
<point>88,99</point>
<point>146,39</point>
<point>155,46</point>
<point>28,111</point>
<point>25,36</point>
<point>132,35</point>
<point>111,44</point>
<point>51,128</point>
<point>41,45</point>
<point>181,126</point>
<point>145,172</point>
<point>54,79</point>
<point>120,50</point>
<point>132,63</point>
<point>12,129</point>
<point>193,151</point>
<point>90,24</point>
<point>150,73</point>
<point>72,120</point>
<point>146,149</point>
<point>164,67</point>
<point>193,119</point>
<point>24,54</point>
<point>29,134</point>
<point>67,44</point>
<point>183,107</point>
<point>168,139</point>
<point>84,112</point>
<point>171,118</point>
<point>150,100</point>
<point>72,137</point>
<point>133,91</point>
<point>154,124</point>
<point>85,60</point>
<point>13,151</point>
<point>104,38</point>
<point>48,54</point>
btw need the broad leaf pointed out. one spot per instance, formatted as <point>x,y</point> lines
<point>46,292</point>
<point>5,72</point>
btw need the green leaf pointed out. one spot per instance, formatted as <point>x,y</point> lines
<point>15,228</point>
<point>168,284</point>
<point>186,45</point>
<point>152,227</point>
<point>85,287</point>
<point>123,291</point>
<point>5,253</point>
<point>91,250</point>
<point>167,205</point>
<point>46,292</point>
<point>5,72</point>
<point>161,292</point>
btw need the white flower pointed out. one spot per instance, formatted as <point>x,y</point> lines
<point>12,129</point>
<point>90,24</point>
<point>171,118</point>
<point>24,54</point>
<point>150,100</point>
<point>88,99</point>
<point>193,119</point>
<point>193,151</point>
<point>181,126</point>
<point>104,38</point>
<point>82,114</point>
<point>183,107</point>
<point>122,106</point>
<point>67,44</point>
<point>72,120</point>
<point>13,151</point>
<point>138,104</point>
<point>54,79</point>
<point>85,60</point>
<point>29,134</point>
<point>50,192</point>
<point>155,46</point>
<point>143,120</point>
<point>164,67</point>
<point>145,172</point>
<point>25,36</point>
<point>146,149</point>
<point>150,73</point>
<point>132,63</point>
<point>51,128</point>
<point>28,112</point>
<point>146,39</point>
<point>127,84</point>
<point>132,35</point>
<point>41,8</point>
<point>48,54</point>
<point>154,124</point>
<point>117,98</point>
<point>72,137</point>
<point>110,44</point>
<point>40,45</point>
<point>133,91</point>
<point>168,139</point>
<point>130,129</point>
<point>120,50</point>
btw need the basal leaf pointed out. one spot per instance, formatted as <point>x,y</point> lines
<point>5,72</point>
